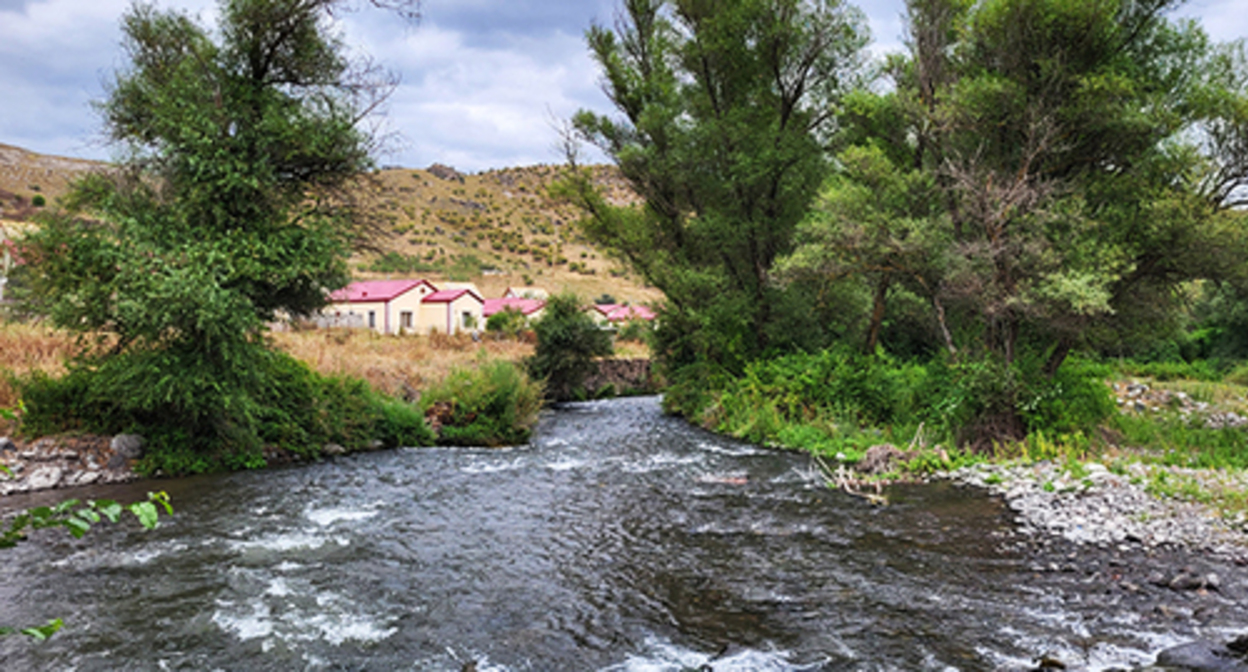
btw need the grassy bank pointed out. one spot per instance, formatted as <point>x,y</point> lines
<point>334,390</point>
<point>839,404</point>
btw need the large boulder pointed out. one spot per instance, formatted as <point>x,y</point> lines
<point>129,446</point>
<point>1201,656</point>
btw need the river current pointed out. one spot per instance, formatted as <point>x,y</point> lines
<point>619,539</point>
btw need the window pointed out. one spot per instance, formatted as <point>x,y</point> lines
<point>372,319</point>
<point>405,320</point>
<point>469,320</point>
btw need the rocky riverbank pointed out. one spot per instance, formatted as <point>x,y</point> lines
<point>68,461</point>
<point>1093,506</point>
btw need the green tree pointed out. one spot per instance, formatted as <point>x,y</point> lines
<point>568,340</point>
<point>726,107</point>
<point>1032,167</point>
<point>227,212</point>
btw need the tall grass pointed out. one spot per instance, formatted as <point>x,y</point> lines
<point>396,365</point>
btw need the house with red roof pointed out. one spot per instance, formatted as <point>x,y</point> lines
<point>451,311</point>
<point>385,306</point>
<point>531,309</point>
<point>615,313</point>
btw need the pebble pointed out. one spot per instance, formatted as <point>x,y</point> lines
<point>1105,509</point>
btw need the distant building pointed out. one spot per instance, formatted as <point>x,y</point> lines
<point>615,313</point>
<point>531,309</point>
<point>385,306</point>
<point>526,293</point>
<point>451,311</point>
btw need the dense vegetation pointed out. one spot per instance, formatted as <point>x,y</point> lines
<point>230,210</point>
<point>1034,187</point>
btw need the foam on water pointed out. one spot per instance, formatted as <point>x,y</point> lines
<point>332,619</point>
<point>731,451</point>
<point>329,516</point>
<point>663,656</point>
<point>288,541</point>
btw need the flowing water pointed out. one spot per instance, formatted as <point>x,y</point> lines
<point>619,540</point>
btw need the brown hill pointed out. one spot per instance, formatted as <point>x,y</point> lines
<point>25,175</point>
<point>496,229</point>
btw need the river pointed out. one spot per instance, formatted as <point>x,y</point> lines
<point>620,539</point>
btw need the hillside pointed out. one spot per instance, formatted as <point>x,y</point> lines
<point>495,229</point>
<point>26,175</point>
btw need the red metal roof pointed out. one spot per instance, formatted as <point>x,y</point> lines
<point>449,295</point>
<point>525,306</point>
<point>626,313</point>
<point>376,290</point>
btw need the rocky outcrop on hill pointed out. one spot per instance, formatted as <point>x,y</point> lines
<point>445,172</point>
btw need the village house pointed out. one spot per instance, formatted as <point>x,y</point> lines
<point>615,313</point>
<point>531,309</point>
<point>385,306</point>
<point>451,311</point>
<point>526,293</point>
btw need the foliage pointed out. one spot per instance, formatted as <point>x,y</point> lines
<point>38,200</point>
<point>725,108</point>
<point>568,340</point>
<point>282,402</point>
<point>1030,175</point>
<point>493,404</point>
<point>76,517</point>
<point>229,211</point>
<point>635,330</point>
<point>509,322</point>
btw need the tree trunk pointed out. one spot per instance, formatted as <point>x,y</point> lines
<point>877,312</point>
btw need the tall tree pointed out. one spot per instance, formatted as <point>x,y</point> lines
<point>1056,136</point>
<point>225,213</point>
<point>726,107</point>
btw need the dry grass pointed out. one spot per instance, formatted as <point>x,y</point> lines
<point>26,348</point>
<point>397,365</point>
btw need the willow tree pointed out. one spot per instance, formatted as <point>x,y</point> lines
<point>1039,165</point>
<point>725,108</point>
<point>225,213</point>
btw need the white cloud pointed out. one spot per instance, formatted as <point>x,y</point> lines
<point>481,79</point>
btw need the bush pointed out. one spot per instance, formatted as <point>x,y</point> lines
<point>38,201</point>
<point>193,426</point>
<point>568,340</point>
<point>509,322</point>
<point>495,404</point>
<point>635,330</point>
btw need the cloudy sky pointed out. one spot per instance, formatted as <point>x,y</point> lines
<point>484,82</point>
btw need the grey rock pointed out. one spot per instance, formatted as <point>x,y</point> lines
<point>118,461</point>
<point>7,445</point>
<point>44,478</point>
<point>334,449</point>
<point>83,478</point>
<point>1200,656</point>
<point>128,445</point>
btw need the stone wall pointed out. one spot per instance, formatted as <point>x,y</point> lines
<point>626,375</point>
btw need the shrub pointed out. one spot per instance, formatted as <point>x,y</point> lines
<point>568,340</point>
<point>494,404</point>
<point>194,426</point>
<point>635,330</point>
<point>509,322</point>
<point>38,201</point>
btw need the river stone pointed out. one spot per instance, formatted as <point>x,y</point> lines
<point>334,449</point>
<point>1200,656</point>
<point>7,445</point>
<point>118,461</point>
<point>129,446</point>
<point>44,478</point>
